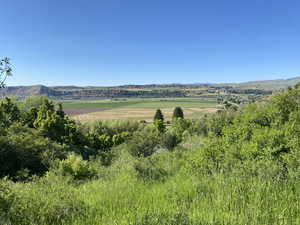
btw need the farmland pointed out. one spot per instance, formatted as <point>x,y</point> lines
<point>142,108</point>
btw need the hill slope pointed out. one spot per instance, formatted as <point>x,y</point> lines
<point>268,84</point>
<point>151,90</point>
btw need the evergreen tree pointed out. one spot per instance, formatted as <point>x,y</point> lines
<point>158,115</point>
<point>178,113</point>
<point>60,111</point>
<point>160,126</point>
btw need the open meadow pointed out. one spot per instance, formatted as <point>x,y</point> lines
<point>140,109</point>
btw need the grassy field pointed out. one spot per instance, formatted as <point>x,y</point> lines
<point>141,103</point>
<point>136,108</point>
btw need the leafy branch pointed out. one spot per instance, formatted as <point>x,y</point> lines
<point>5,71</point>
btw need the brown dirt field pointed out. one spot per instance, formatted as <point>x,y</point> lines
<point>74,112</point>
<point>137,113</point>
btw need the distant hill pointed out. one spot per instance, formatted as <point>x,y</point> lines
<point>151,90</point>
<point>71,92</point>
<point>25,91</point>
<point>267,84</point>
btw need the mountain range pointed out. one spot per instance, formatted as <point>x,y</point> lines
<point>150,90</point>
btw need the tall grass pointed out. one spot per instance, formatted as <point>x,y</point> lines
<point>191,200</point>
<point>183,198</point>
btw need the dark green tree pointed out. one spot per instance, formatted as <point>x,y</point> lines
<point>60,111</point>
<point>55,125</point>
<point>144,142</point>
<point>178,113</point>
<point>158,115</point>
<point>23,149</point>
<point>160,126</point>
<point>9,113</point>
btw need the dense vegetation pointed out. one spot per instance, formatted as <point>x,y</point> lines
<point>238,166</point>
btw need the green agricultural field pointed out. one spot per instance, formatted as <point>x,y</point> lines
<point>136,108</point>
<point>100,104</point>
<point>142,103</point>
<point>173,103</point>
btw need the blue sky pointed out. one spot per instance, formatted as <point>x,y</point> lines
<point>112,42</point>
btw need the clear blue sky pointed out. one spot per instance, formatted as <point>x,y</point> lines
<point>111,42</point>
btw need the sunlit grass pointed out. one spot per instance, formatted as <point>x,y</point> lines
<point>142,103</point>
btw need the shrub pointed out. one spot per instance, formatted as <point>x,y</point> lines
<point>148,170</point>
<point>33,102</point>
<point>170,141</point>
<point>179,126</point>
<point>9,113</point>
<point>160,126</point>
<point>118,139</point>
<point>164,218</point>
<point>76,167</point>
<point>113,127</point>
<point>7,198</point>
<point>22,150</point>
<point>144,143</point>
<point>55,125</point>
<point>218,121</point>
<point>41,202</point>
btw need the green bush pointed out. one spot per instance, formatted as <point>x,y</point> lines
<point>159,125</point>
<point>200,126</point>
<point>144,143</point>
<point>218,121</point>
<point>179,126</point>
<point>9,113</point>
<point>7,198</point>
<point>169,141</point>
<point>33,102</point>
<point>44,203</point>
<point>164,218</point>
<point>113,127</point>
<point>21,149</point>
<point>148,170</point>
<point>76,167</point>
<point>120,138</point>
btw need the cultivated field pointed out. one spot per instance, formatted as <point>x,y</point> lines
<point>142,109</point>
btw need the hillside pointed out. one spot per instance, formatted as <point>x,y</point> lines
<point>151,90</point>
<point>276,85</point>
<point>70,92</point>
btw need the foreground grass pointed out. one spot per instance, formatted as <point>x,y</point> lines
<point>120,196</point>
<point>206,200</point>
